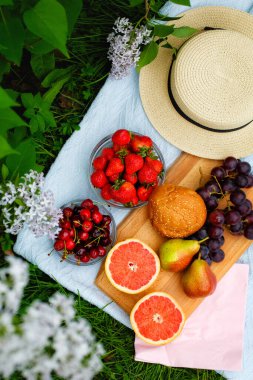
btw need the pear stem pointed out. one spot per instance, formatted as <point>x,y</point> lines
<point>202,241</point>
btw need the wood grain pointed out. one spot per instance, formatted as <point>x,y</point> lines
<point>186,172</point>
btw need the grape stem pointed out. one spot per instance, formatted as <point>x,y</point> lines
<point>202,241</point>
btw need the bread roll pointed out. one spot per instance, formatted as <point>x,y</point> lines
<point>176,211</point>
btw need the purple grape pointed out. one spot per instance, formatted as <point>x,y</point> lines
<point>241,180</point>
<point>221,240</point>
<point>236,229</point>
<point>214,244</point>
<point>243,167</point>
<point>249,218</point>
<point>201,234</point>
<point>245,208</point>
<point>215,232</point>
<point>217,256</point>
<point>228,185</point>
<point>230,163</point>
<point>250,180</point>
<point>216,217</point>
<point>248,231</point>
<point>208,260</point>
<point>218,172</point>
<point>212,187</point>
<point>203,193</point>
<point>237,197</point>
<point>232,217</point>
<point>211,203</point>
<point>204,251</point>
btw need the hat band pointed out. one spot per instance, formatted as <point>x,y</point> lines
<point>181,113</point>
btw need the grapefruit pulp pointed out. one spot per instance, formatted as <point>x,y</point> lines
<point>157,318</point>
<point>132,266</point>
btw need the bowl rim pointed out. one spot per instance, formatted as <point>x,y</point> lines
<point>113,232</point>
<point>98,191</point>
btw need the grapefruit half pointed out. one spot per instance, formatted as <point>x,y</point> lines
<point>157,318</point>
<point>132,266</point>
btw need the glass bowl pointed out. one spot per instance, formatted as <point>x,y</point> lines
<point>107,143</point>
<point>71,258</point>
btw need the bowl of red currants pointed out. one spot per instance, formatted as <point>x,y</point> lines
<point>125,168</point>
<point>88,232</point>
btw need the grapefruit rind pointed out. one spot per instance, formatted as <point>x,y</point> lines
<point>123,288</point>
<point>135,326</point>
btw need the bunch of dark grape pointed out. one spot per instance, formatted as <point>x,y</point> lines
<point>85,232</point>
<point>227,182</point>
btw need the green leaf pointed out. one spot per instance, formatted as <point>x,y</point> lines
<point>4,68</point>
<point>12,39</point>
<point>20,164</point>
<point>48,20</point>
<point>163,30</point>
<point>184,31</point>
<point>182,2</point>
<point>168,46</point>
<point>166,18</point>
<point>4,171</point>
<point>5,100</point>
<point>12,93</point>
<point>6,2</point>
<point>148,54</point>
<point>27,100</point>
<point>50,95</point>
<point>55,75</point>
<point>5,148</point>
<point>73,9</point>
<point>9,119</point>
<point>35,44</point>
<point>42,64</point>
<point>135,3</point>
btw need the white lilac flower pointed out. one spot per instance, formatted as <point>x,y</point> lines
<point>49,339</point>
<point>125,46</point>
<point>29,204</point>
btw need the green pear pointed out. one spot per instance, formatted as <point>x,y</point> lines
<point>176,254</point>
<point>199,280</point>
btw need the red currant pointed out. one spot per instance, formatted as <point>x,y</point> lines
<point>64,235</point>
<point>77,221</point>
<point>101,250</point>
<point>85,213</point>
<point>94,253</point>
<point>95,208</point>
<point>83,235</point>
<point>97,217</point>
<point>67,212</point>
<point>71,232</point>
<point>59,245</point>
<point>66,225</point>
<point>70,244</point>
<point>87,225</point>
<point>87,203</point>
<point>85,259</point>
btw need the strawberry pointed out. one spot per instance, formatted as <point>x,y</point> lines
<point>106,192</point>
<point>123,192</point>
<point>98,179</point>
<point>147,174</point>
<point>156,164</point>
<point>115,166</point>
<point>116,148</point>
<point>108,153</point>
<point>141,144</point>
<point>143,193</point>
<point>113,178</point>
<point>133,163</point>
<point>132,178</point>
<point>99,163</point>
<point>135,201</point>
<point>121,137</point>
<point>122,152</point>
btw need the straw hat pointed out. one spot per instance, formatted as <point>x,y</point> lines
<point>202,102</point>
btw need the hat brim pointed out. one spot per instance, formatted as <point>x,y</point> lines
<point>158,106</point>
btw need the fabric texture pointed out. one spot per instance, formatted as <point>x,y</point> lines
<point>117,106</point>
<point>212,337</point>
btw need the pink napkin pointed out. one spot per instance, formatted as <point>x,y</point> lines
<point>212,337</point>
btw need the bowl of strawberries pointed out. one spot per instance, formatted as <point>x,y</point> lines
<point>125,168</point>
<point>87,232</point>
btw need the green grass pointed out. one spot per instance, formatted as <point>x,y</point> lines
<point>88,50</point>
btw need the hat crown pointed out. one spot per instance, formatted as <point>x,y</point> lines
<point>212,79</point>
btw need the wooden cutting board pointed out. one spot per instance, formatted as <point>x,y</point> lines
<point>186,172</point>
